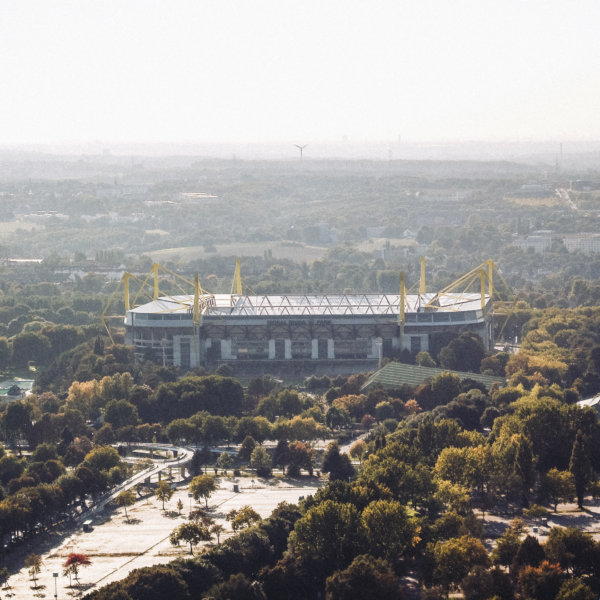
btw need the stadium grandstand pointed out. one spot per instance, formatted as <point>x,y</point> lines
<point>204,329</point>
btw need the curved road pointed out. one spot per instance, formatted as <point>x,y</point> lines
<point>184,456</point>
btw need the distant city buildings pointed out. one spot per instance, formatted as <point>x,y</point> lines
<point>541,241</point>
<point>538,243</point>
<point>584,185</point>
<point>533,190</point>
<point>586,243</point>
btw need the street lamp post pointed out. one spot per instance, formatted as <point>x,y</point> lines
<point>55,575</point>
<point>379,344</point>
<point>190,496</point>
<point>163,343</point>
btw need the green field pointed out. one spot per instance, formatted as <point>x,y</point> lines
<point>8,227</point>
<point>295,253</point>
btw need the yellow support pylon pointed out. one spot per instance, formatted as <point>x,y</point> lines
<point>236,285</point>
<point>402,298</point>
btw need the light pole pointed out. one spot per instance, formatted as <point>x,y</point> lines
<point>379,344</point>
<point>163,343</point>
<point>55,575</point>
<point>190,496</point>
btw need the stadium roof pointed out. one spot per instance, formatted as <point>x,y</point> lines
<point>394,375</point>
<point>591,402</point>
<point>317,305</point>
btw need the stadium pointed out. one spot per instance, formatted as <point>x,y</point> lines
<point>311,331</point>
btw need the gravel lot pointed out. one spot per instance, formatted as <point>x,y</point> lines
<point>117,545</point>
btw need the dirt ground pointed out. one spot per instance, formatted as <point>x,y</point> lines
<point>567,515</point>
<point>117,545</point>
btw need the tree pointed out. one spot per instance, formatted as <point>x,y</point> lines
<point>124,499</point>
<point>572,548</point>
<point>217,529</point>
<point>236,587</point>
<point>225,461</point>
<point>580,467</point>
<point>451,465</point>
<point>4,575</point>
<point>33,562</point>
<point>311,539</point>
<point>367,578</point>
<point>16,420</point>
<point>540,583</point>
<point>508,544</point>
<point>281,455</point>
<point>244,517</point>
<point>424,359</point>
<point>535,511</point>
<point>202,486</point>
<point>261,461</point>
<point>575,589</point>
<point>246,448</point>
<point>463,353</point>
<point>358,450</point>
<point>384,410</point>
<point>30,346</point>
<point>452,495</point>
<point>412,407</point>
<point>455,557</point>
<point>105,435</point>
<point>530,553</point>
<point>300,456</point>
<point>558,486</point>
<point>337,465</point>
<point>11,467</point>
<point>445,387</point>
<point>73,563</point>
<point>102,458</point>
<point>336,418</point>
<point>181,429</point>
<point>483,584</point>
<point>164,492</point>
<point>213,429</point>
<point>4,353</point>
<point>191,533</point>
<point>120,413</point>
<point>389,528</point>
<point>258,428</point>
<point>305,428</point>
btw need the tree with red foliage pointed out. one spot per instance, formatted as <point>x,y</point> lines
<point>72,564</point>
<point>540,583</point>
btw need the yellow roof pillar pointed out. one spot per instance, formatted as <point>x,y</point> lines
<point>196,300</point>
<point>155,272</point>
<point>402,297</point>
<point>422,285</point>
<point>490,264</point>
<point>482,280</point>
<point>126,277</point>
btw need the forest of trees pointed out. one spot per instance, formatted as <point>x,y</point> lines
<point>438,458</point>
<point>407,503</point>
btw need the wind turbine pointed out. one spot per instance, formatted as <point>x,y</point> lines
<point>301,148</point>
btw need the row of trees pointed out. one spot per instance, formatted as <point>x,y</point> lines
<point>362,535</point>
<point>38,492</point>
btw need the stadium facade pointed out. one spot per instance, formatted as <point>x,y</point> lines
<point>318,329</point>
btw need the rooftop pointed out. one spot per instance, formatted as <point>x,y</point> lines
<point>311,305</point>
<point>394,375</point>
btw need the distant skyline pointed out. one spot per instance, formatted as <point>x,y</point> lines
<point>277,71</point>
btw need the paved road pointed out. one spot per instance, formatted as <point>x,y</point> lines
<point>184,456</point>
<point>564,194</point>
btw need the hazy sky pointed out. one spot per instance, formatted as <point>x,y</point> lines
<point>279,70</point>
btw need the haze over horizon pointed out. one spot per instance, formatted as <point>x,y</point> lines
<point>390,74</point>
